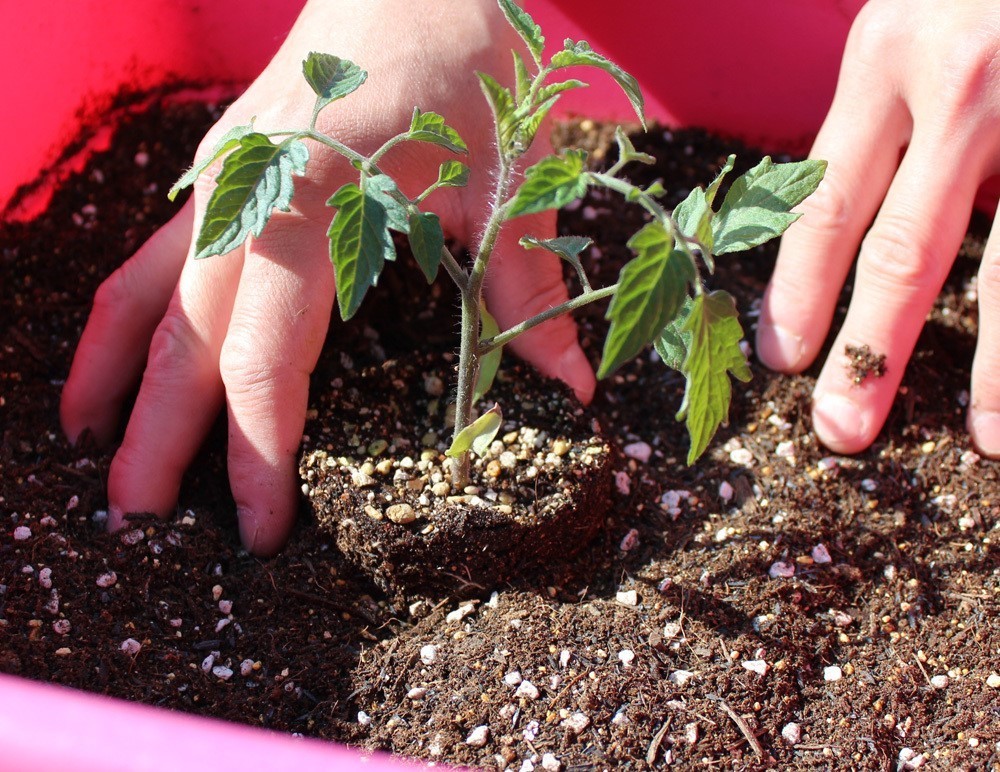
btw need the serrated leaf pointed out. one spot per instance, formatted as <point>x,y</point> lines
<point>256,178</point>
<point>453,174</point>
<point>227,142</point>
<point>756,208</point>
<point>331,78</point>
<point>626,150</point>
<point>522,78</point>
<point>488,363</point>
<point>359,244</point>
<point>525,26</point>
<point>713,353</point>
<point>569,248</point>
<point>693,216</point>
<point>582,54</point>
<point>672,344</point>
<point>430,127</point>
<point>553,89</point>
<point>651,291</point>
<point>426,242</point>
<point>384,190</point>
<point>712,189</point>
<point>478,435</point>
<point>502,104</point>
<point>551,183</point>
<point>525,134</point>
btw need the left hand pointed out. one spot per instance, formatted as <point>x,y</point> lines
<point>920,81</point>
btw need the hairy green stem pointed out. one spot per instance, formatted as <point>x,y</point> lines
<point>581,300</point>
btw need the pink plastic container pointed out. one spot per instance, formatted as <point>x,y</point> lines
<point>69,66</point>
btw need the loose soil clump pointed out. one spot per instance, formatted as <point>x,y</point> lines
<point>775,605</point>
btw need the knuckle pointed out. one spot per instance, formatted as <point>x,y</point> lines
<point>243,369</point>
<point>968,72</point>
<point>174,348</point>
<point>893,254</point>
<point>827,211</point>
<point>877,27</point>
<point>118,293</point>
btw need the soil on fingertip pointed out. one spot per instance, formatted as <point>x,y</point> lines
<point>774,605</point>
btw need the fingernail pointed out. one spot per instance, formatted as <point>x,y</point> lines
<point>779,347</point>
<point>839,423</point>
<point>985,429</point>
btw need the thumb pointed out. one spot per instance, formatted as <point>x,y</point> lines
<point>522,284</point>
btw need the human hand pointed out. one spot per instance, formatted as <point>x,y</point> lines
<point>920,76</point>
<point>246,329</point>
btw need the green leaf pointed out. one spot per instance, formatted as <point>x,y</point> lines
<point>525,134</point>
<point>756,208</point>
<point>426,242</point>
<point>525,26</point>
<point>713,352</point>
<point>478,435</point>
<point>553,89</point>
<point>359,243</point>
<point>383,189</point>
<point>651,291</point>
<point>502,103</point>
<point>521,77</point>
<point>712,189</point>
<point>693,216</point>
<point>626,150</point>
<point>256,178</point>
<point>673,343</point>
<point>551,184</point>
<point>488,363</point>
<point>430,127</point>
<point>453,174</point>
<point>331,78</point>
<point>569,248</point>
<point>227,142</point>
<point>582,54</point>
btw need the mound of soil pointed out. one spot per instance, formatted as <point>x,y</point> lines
<point>774,605</point>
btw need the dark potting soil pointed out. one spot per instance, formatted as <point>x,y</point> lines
<point>772,605</point>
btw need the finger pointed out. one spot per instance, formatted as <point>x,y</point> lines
<point>180,394</point>
<point>523,284</point>
<point>275,337</point>
<point>902,265</point>
<point>112,351</point>
<point>861,139</point>
<point>984,407</point>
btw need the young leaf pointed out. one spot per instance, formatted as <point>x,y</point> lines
<point>582,54</point>
<point>522,78</point>
<point>256,178</point>
<point>673,343</point>
<point>713,352</point>
<point>478,435</point>
<point>488,363</point>
<point>502,103</point>
<point>626,150</point>
<point>712,189</point>
<point>553,89</point>
<point>426,242</point>
<point>651,290</point>
<point>227,142</point>
<point>693,216</point>
<point>430,127</point>
<point>525,134</point>
<point>551,184</point>
<point>525,26</point>
<point>756,208</point>
<point>569,248</point>
<point>359,244</point>
<point>331,78</point>
<point>453,174</point>
<point>382,188</point>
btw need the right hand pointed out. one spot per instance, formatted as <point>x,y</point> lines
<point>246,329</point>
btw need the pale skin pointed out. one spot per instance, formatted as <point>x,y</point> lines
<point>244,330</point>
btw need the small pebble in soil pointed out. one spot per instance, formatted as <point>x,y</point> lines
<point>216,592</point>
<point>821,555</point>
<point>478,737</point>
<point>623,483</point>
<point>626,657</point>
<point>416,693</point>
<point>226,606</point>
<point>527,690</point>
<point>530,732</point>
<point>832,673</point>
<point>550,763</point>
<point>726,492</point>
<point>222,672</point>
<point>741,457</point>
<point>940,681</point>
<point>61,626</point>
<point>993,681</point>
<point>575,722</point>
<point>246,668</point>
<point>627,597</point>
<point>640,451</point>
<point>45,578</point>
<point>363,718</point>
<point>781,570</point>
<point>868,485</point>
<point>671,630</point>
<point>792,732</point>
<point>758,666</point>
<point>460,613</point>
<point>22,533</point>
<point>513,678</point>
<point>428,654</point>
<point>680,677</point>
<point>109,579</point>
<point>130,646</point>
<point>910,759</point>
<point>629,541</point>
<point>564,657</point>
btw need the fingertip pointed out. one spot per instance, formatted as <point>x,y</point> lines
<point>780,349</point>
<point>116,518</point>
<point>575,371</point>
<point>264,534</point>
<point>841,424</point>
<point>984,428</point>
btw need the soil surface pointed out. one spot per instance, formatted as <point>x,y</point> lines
<point>773,605</point>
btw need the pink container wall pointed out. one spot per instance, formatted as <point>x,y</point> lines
<point>769,77</point>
